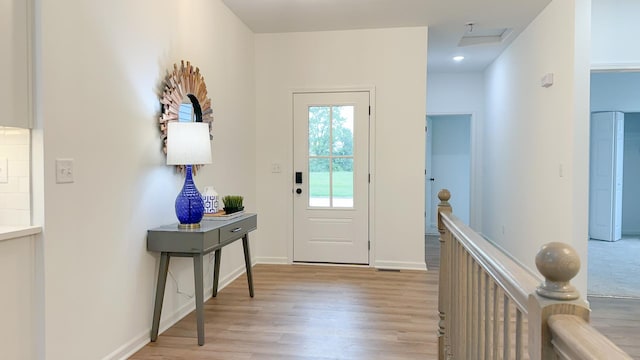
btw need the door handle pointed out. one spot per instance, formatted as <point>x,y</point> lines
<point>298,191</point>
<point>432,179</point>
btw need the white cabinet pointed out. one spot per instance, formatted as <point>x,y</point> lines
<point>15,63</point>
<point>605,180</point>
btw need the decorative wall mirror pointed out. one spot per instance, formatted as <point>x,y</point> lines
<point>184,99</point>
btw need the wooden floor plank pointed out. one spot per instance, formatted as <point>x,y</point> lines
<point>312,312</point>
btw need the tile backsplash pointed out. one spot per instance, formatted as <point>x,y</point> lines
<point>14,176</point>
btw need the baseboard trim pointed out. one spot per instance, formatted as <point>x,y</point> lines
<point>400,265</point>
<point>128,349</point>
<point>271,260</point>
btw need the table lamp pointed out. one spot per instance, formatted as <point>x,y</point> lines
<point>188,144</point>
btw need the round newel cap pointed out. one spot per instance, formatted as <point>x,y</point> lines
<point>558,263</point>
<point>444,195</point>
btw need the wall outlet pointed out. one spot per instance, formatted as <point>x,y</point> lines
<point>4,171</point>
<point>64,171</point>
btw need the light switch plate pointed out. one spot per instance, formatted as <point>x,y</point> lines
<point>64,171</point>
<point>4,171</point>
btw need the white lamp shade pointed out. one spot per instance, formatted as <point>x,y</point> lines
<point>188,143</point>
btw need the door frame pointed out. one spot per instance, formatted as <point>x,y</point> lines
<point>372,162</point>
<point>475,181</point>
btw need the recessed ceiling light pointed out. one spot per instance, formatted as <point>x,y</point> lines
<point>458,58</point>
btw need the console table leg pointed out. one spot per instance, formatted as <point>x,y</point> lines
<point>247,262</point>
<point>162,282</point>
<point>197,268</point>
<point>216,272</point>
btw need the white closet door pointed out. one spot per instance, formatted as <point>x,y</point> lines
<point>605,185</point>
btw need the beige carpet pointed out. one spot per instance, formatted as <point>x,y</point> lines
<point>614,268</point>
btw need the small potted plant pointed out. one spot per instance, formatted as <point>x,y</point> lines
<point>232,203</point>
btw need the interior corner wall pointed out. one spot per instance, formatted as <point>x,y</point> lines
<point>462,93</point>
<point>614,29</point>
<point>100,71</point>
<point>536,139</point>
<point>393,61</point>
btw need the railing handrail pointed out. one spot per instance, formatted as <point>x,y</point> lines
<point>516,281</point>
<point>574,338</point>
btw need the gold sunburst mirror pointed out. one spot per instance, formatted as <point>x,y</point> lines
<point>184,98</point>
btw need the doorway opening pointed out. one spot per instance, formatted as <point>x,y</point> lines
<point>612,254</point>
<point>448,165</point>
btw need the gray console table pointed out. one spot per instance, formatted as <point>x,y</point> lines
<point>212,235</point>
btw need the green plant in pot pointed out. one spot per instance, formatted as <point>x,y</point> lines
<point>232,203</point>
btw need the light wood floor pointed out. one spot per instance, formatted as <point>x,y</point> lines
<point>325,312</point>
<point>312,312</point>
<point>619,320</point>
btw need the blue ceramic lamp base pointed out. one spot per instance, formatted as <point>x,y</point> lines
<point>189,203</point>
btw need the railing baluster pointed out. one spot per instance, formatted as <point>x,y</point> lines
<point>496,329</point>
<point>463,303</point>
<point>461,294</point>
<point>469,305</point>
<point>456,300</point>
<point>487,317</point>
<point>506,345</point>
<point>518,334</point>
<point>480,315</point>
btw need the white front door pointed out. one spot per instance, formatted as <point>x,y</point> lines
<point>331,179</point>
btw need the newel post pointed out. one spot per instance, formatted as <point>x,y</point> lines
<point>443,207</point>
<point>443,287</point>
<point>558,263</point>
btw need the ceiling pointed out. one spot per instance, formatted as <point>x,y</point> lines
<point>446,20</point>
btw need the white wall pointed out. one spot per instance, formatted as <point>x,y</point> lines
<point>100,71</point>
<point>462,93</point>
<point>14,194</point>
<point>615,91</point>
<point>536,139</point>
<point>14,63</point>
<point>620,91</point>
<point>615,34</point>
<point>630,183</point>
<point>394,62</point>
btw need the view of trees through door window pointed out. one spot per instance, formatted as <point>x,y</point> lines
<point>331,156</point>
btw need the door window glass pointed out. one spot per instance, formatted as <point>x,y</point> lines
<point>331,156</point>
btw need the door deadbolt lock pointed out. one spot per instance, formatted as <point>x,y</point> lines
<point>298,191</point>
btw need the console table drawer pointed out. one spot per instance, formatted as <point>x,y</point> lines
<point>237,229</point>
<point>185,242</point>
